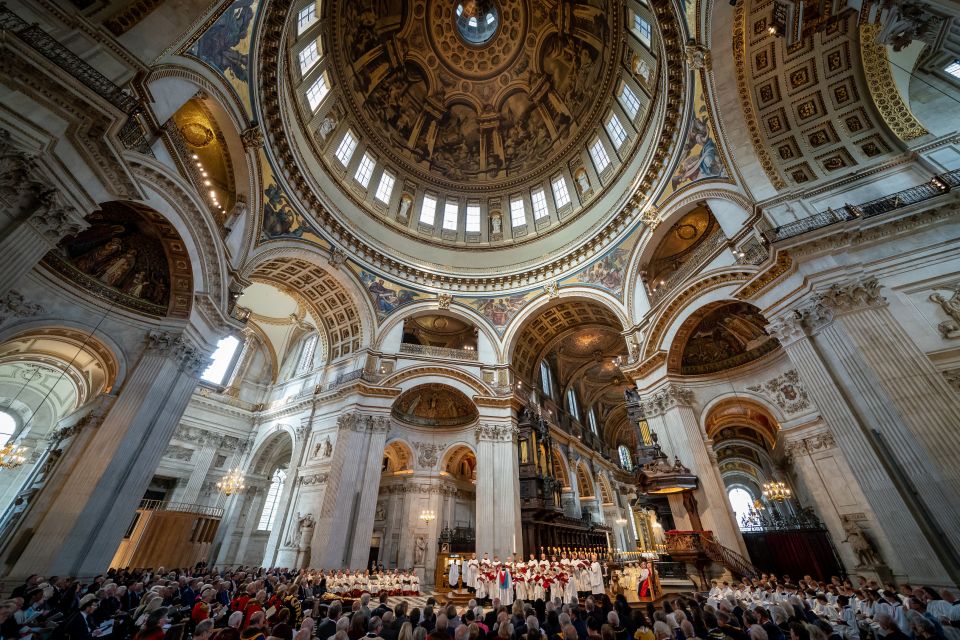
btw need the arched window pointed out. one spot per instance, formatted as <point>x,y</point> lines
<point>572,405</point>
<point>221,360</point>
<point>741,501</point>
<point>592,421</point>
<point>7,426</point>
<point>625,461</point>
<point>546,379</point>
<point>307,353</point>
<point>269,514</point>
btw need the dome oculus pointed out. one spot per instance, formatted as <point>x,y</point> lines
<point>477,21</point>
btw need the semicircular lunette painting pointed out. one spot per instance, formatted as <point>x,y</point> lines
<point>131,256</point>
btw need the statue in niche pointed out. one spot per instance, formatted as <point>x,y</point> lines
<point>863,549</point>
<point>293,533</point>
<point>582,180</point>
<point>419,550</point>
<point>323,449</point>
<point>496,223</point>
<point>403,213</point>
<point>381,512</point>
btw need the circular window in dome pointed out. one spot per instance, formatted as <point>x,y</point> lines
<point>477,21</point>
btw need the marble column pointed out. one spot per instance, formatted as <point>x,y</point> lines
<point>77,521</point>
<point>201,462</point>
<point>498,491</point>
<point>861,369</point>
<point>32,221</point>
<point>669,411</point>
<point>345,524</point>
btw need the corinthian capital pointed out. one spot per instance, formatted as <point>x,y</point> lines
<point>364,423</point>
<point>495,432</point>
<point>856,295</point>
<point>54,221</point>
<point>661,401</point>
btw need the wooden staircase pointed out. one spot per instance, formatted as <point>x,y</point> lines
<point>701,549</point>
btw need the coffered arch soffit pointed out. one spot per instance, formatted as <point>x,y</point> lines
<point>552,321</point>
<point>808,107</point>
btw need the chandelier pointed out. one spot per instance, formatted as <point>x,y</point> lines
<point>428,515</point>
<point>232,482</point>
<point>776,491</point>
<point>12,456</point>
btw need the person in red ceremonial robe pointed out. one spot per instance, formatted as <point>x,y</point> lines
<point>644,588</point>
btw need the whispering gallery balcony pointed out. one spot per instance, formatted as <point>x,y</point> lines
<point>935,187</point>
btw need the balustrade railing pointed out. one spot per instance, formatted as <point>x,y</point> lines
<point>936,186</point>
<point>184,507</point>
<point>131,134</point>
<point>439,352</point>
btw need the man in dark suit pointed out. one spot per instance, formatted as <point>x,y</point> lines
<point>80,625</point>
<point>383,607</point>
<point>328,625</point>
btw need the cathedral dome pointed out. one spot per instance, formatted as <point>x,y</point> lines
<point>481,128</point>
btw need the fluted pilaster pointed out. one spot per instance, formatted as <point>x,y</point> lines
<point>892,417</point>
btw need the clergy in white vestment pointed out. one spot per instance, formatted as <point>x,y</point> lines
<point>596,576</point>
<point>470,572</point>
<point>454,575</point>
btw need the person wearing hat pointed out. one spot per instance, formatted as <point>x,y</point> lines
<point>80,625</point>
<point>153,628</point>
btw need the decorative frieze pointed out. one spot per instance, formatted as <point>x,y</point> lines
<point>661,401</point>
<point>811,444</point>
<point>496,432</point>
<point>428,453</point>
<point>853,296</point>
<point>424,489</point>
<point>315,478</point>
<point>14,305</point>
<point>785,391</point>
<point>176,452</point>
<point>364,423</point>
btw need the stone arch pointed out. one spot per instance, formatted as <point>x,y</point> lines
<point>455,310</point>
<point>168,194</point>
<point>335,305</point>
<point>397,456</point>
<point>460,462</point>
<point>560,469</point>
<point>271,447</point>
<point>739,411</point>
<point>410,377</point>
<point>132,257</point>
<point>585,484</point>
<point>719,285</point>
<point>737,337</point>
<point>547,320</point>
<point>48,372</point>
<point>434,405</point>
<point>606,490</point>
